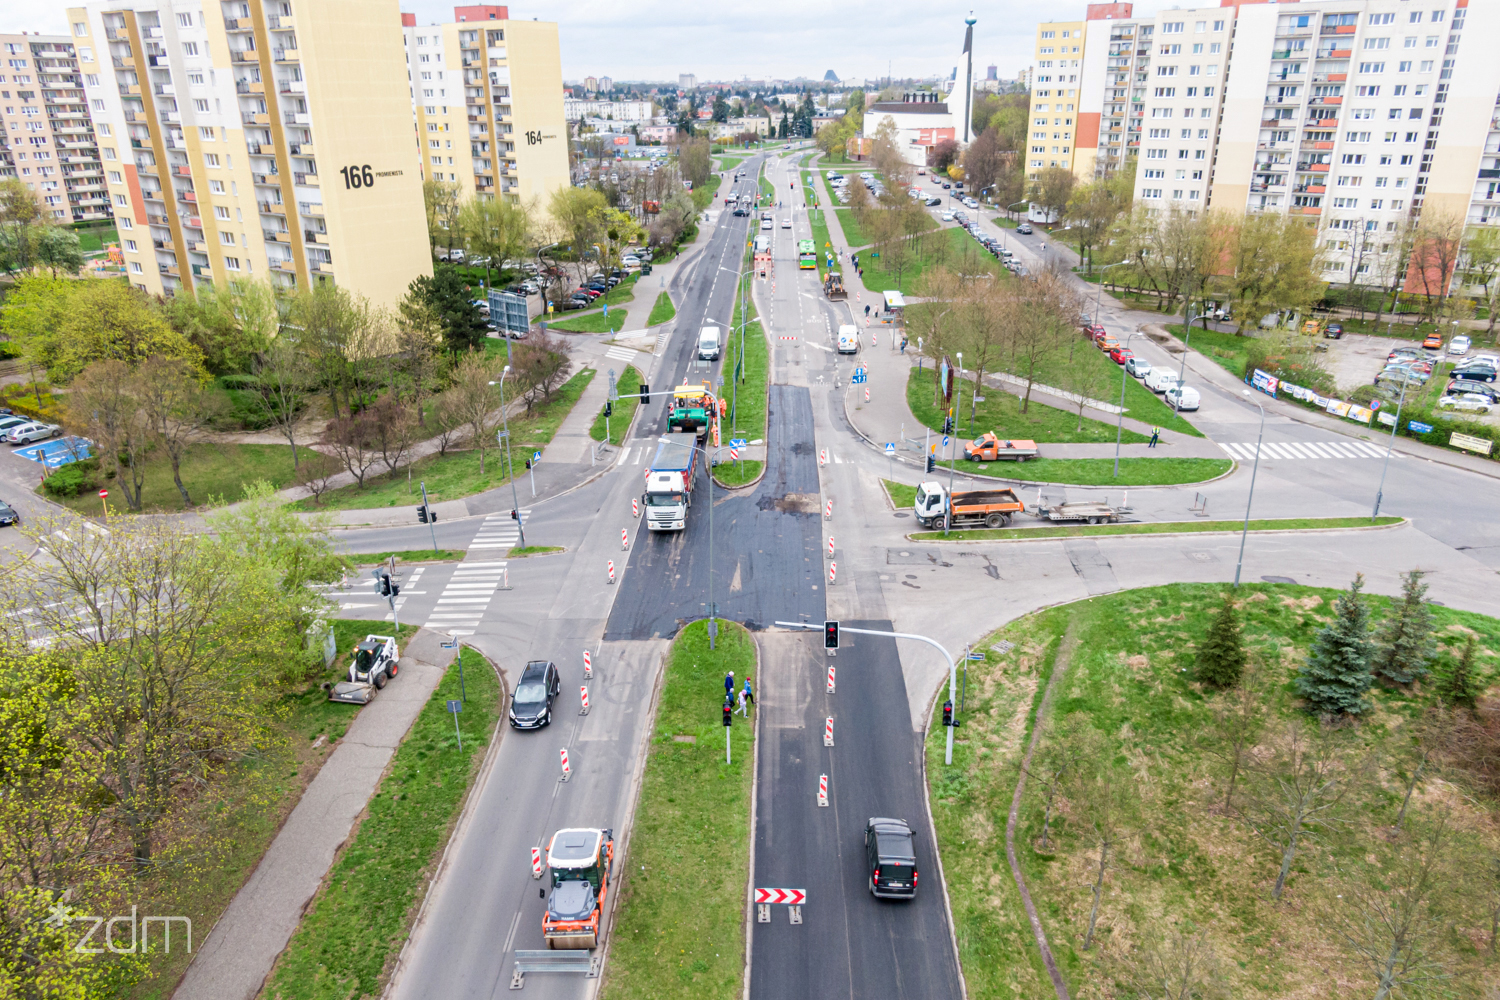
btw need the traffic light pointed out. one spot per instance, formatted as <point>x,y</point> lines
<point>609,408</point>
<point>931,463</point>
<point>383,584</point>
<point>528,465</point>
<point>830,635</point>
<point>948,713</point>
<point>645,393</point>
<point>728,713</point>
<point>422,513</point>
<point>514,516</point>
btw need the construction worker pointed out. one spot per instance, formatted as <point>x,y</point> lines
<point>1155,433</point>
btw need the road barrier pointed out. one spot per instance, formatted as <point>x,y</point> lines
<point>588,664</point>
<point>624,539</point>
<point>833,570</point>
<point>822,791</point>
<point>635,507</point>
<point>583,694</point>
<point>536,862</point>
<point>828,733</point>
<point>567,771</point>
<point>611,571</point>
<point>867,394</point>
<point>505,578</point>
<point>828,511</point>
<point>830,546</point>
<point>823,457</point>
<point>830,678</point>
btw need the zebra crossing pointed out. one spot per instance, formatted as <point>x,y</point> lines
<point>468,593</point>
<point>1245,451</point>
<point>661,340</point>
<point>499,531</point>
<point>622,353</point>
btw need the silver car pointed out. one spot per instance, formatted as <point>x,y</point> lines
<point>27,433</point>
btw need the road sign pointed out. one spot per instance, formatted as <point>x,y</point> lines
<point>455,706</point>
<point>945,440</point>
<point>536,456</point>
<point>736,442</point>
<point>721,381</point>
<point>890,448</point>
<point>104,493</point>
<point>976,656</point>
<point>790,897</point>
<point>859,376</point>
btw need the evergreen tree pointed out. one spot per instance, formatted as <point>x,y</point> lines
<point>1457,684</point>
<point>785,129</point>
<point>1336,677</point>
<point>1221,657</point>
<point>1406,642</point>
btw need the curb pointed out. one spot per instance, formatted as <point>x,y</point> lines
<point>754,798</point>
<point>1405,521</point>
<point>937,854</point>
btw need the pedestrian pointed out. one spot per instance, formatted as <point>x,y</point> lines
<point>729,684</point>
<point>1155,433</point>
<point>903,343</point>
<point>741,710</point>
<point>746,694</point>
<point>867,311</point>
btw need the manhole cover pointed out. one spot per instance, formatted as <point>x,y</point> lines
<point>911,576</point>
<point>1278,579</point>
<point>905,555</point>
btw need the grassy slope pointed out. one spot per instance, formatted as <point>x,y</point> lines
<point>957,251</point>
<point>748,415</point>
<point>1099,471</point>
<point>1181,861</point>
<point>1001,412</point>
<point>1152,528</point>
<point>680,930</point>
<point>591,322</point>
<point>208,471</point>
<point>662,311</point>
<point>628,382</point>
<point>363,913</point>
<point>457,474</point>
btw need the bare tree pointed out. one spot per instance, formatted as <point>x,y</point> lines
<point>103,405</point>
<point>283,380</point>
<point>1239,720</point>
<point>1069,746</point>
<point>355,441</point>
<point>539,364</point>
<point>1435,255</point>
<point>176,407</point>
<point>316,474</point>
<point>1298,792</point>
<point>1042,321</point>
<point>393,427</point>
<point>475,400</point>
<point>1106,801</point>
<point>1178,965</point>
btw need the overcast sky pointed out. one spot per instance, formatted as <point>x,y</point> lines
<point>658,39</point>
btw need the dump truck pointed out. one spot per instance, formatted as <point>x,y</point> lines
<point>971,508</point>
<point>833,287</point>
<point>1091,511</point>
<point>692,408</point>
<point>990,448</point>
<point>669,484</point>
<point>374,662</point>
<point>581,864</point>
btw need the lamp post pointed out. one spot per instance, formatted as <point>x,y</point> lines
<point>1009,207</point>
<point>953,442</point>
<point>1120,417</point>
<point>1251,498</point>
<point>509,465</point>
<point>1385,466</point>
<point>1187,333</point>
<point>1099,292</point>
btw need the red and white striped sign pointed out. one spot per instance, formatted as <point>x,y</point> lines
<point>104,493</point>
<point>828,733</point>
<point>830,546</point>
<point>822,790</point>
<point>624,539</point>
<point>828,511</point>
<point>874,337</point>
<point>583,693</point>
<point>536,862</point>
<point>635,507</point>
<point>588,664</point>
<point>611,571</point>
<point>833,571</point>
<point>830,678</point>
<point>867,394</point>
<point>566,769</point>
<point>823,457</point>
<point>734,454</point>
<point>773,288</point>
<point>791,897</point>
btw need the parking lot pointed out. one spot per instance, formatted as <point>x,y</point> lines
<point>1355,359</point>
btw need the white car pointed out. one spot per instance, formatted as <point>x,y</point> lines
<point>947,216</point>
<point>786,223</point>
<point>34,431</point>
<point>1470,402</point>
<point>765,224</point>
<point>1182,397</point>
<point>1160,380</point>
<point>1459,345</point>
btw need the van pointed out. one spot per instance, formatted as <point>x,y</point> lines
<point>848,339</point>
<point>1182,397</point>
<point>1160,380</point>
<point>762,244</point>
<point>708,343</point>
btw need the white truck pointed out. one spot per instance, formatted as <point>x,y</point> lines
<point>669,484</point>
<point>709,343</point>
<point>848,339</point>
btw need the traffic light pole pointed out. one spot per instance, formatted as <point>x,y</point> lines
<point>952,667</point>
<point>428,507</point>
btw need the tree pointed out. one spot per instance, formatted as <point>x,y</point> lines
<point>1458,685</point>
<point>1482,268</point>
<point>446,296</point>
<point>942,155</point>
<point>229,325</point>
<point>419,339</point>
<point>1405,643</point>
<point>578,214</point>
<point>1106,799</point>
<point>1435,255</point>
<point>355,441</point>
<point>539,364</point>
<point>983,161</point>
<point>441,201</point>
<point>394,426</point>
<point>496,229</point>
<point>475,400</point>
<point>1091,212</point>
<point>1274,260</point>
<point>1221,657</point>
<point>1175,966</point>
<point>720,109</point>
<point>103,405</point>
<point>1044,317</point>
<point>295,551</point>
<point>54,247</point>
<point>1071,745</point>
<point>1239,719</point>
<point>175,406</point>
<point>1336,677</point>
<point>1297,792</point>
<point>1052,190</point>
<point>20,214</point>
<point>342,337</point>
<point>694,161</point>
<point>283,380</point>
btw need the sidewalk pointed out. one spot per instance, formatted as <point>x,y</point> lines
<point>233,962</point>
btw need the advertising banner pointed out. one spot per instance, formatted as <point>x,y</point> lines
<point>1338,407</point>
<point>1264,382</point>
<point>1470,443</point>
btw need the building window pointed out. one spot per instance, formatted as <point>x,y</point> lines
<point>135,267</point>
<point>130,246</point>
<point>184,20</point>
<point>80,29</point>
<point>189,48</point>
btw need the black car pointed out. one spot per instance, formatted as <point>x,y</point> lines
<point>1474,373</point>
<point>892,858</point>
<point>1334,331</point>
<point>1024,229</point>
<point>531,707</point>
<point>1460,386</point>
<point>8,514</point>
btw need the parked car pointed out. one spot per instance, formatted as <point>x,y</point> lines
<point>1432,342</point>
<point>1024,229</point>
<point>1137,367</point>
<point>1459,346</point>
<point>947,216</point>
<point>786,223</point>
<point>1182,397</point>
<point>8,514</point>
<point>1160,380</point>
<point>35,431</point>
<point>1094,331</point>
<point>531,706</point>
<point>932,202</point>
<point>1461,386</point>
<point>1120,355</point>
<point>1405,352</point>
<point>1469,402</point>
<point>891,858</point>
<point>11,422</point>
<point>1334,331</point>
<point>1474,372</point>
<point>1107,344</point>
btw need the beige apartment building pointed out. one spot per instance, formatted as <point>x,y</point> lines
<point>1054,96</point>
<point>256,139</point>
<point>487,96</point>
<point>47,139</point>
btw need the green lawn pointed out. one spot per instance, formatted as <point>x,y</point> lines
<point>520,552</point>
<point>628,384</point>
<point>949,247</point>
<point>747,416</point>
<point>209,471</point>
<point>680,931</point>
<point>663,311</point>
<point>1001,412</point>
<point>363,914</point>
<point>591,322</point>
<point>855,233</point>
<point>456,474</point>
<point>1099,471</point>
<point>93,240</point>
<point>1154,742</point>
<point>407,555</point>
<point>1228,350</point>
<point>1153,528</point>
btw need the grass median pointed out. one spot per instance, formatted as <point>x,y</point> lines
<point>680,930</point>
<point>747,394</point>
<point>1000,412</point>
<point>662,311</point>
<point>1094,471</point>
<point>363,913</point>
<point>1153,528</point>
<point>629,387</point>
<point>407,555</point>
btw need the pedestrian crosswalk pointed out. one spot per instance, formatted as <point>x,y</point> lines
<point>662,338</point>
<point>462,604</point>
<point>621,353</point>
<point>634,454</point>
<point>499,531</point>
<point>1245,451</point>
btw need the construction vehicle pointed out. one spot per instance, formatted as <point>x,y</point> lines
<point>581,863</point>
<point>374,663</point>
<point>833,287</point>
<point>990,448</point>
<point>669,484</point>
<point>1091,511</point>
<point>970,508</point>
<point>692,408</point>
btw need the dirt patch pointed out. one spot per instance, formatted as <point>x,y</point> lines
<point>791,503</point>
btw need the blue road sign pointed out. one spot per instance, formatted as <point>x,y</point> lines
<point>890,448</point>
<point>945,440</point>
<point>536,456</point>
<point>976,656</point>
<point>455,706</point>
<point>736,442</point>
<point>859,372</point>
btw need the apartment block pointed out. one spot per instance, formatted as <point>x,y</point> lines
<point>1112,90</point>
<point>575,109</point>
<point>1054,96</point>
<point>256,139</point>
<point>487,97</point>
<point>47,139</point>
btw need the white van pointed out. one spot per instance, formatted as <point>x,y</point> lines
<point>1182,397</point>
<point>762,244</point>
<point>1160,379</point>
<point>848,339</point>
<point>708,343</point>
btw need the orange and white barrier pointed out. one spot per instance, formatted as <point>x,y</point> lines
<point>583,694</point>
<point>830,678</point>
<point>536,862</point>
<point>828,733</point>
<point>823,791</point>
<point>567,772</point>
<point>611,571</point>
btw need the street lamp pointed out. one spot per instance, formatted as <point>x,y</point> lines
<point>1187,333</point>
<point>953,443</point>
<point>1120,417</point>
<point>515,503</point>
<point>1248,500</point>
<point>1099,292</point>
<point>1009,207</point>
<point>1380,490</point>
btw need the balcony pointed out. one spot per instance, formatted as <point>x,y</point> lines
<point>183,170</point>
<point>164,90</point>
<point>301,148</point>
<point>288,265</point>
<point>198,247</point>
<point>244,56</point>
<point>272,208</point>
<point>191,197</point>
<point>1326,100</point>
<point>255,118</point>
<point>270,179</point>
<point>292,87</point>
<point>1336,54</point>
<point>312,208</point>
<point>1313,168</point>
<point>130,89</point>
<point>305,179</point>
<point>168,269</point>
<point>163,244</point>
<point>281,22</point>
<point>285,55</point>
<point>250,87</point>
<point>1311,189</point>
<point>1337,29</point>
<point>278,235</point>
<point>1305,210</point>
<point>296,118</point>
<point>238,24</point>
<point>170,117</point>
<point>193,222</point>
<point>314,236</point>
<point>202,271</point>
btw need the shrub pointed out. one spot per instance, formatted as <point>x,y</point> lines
<point>70,480</point>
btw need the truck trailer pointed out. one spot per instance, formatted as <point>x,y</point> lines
<point>669,484</point>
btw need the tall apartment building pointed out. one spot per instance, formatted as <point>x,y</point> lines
<point>487,96</point>
<point>1054,96</point>
<point>214,119</point>
<point>47,139</point>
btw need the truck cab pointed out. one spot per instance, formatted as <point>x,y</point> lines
<point>848,339</point>
<point>666,502</point>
